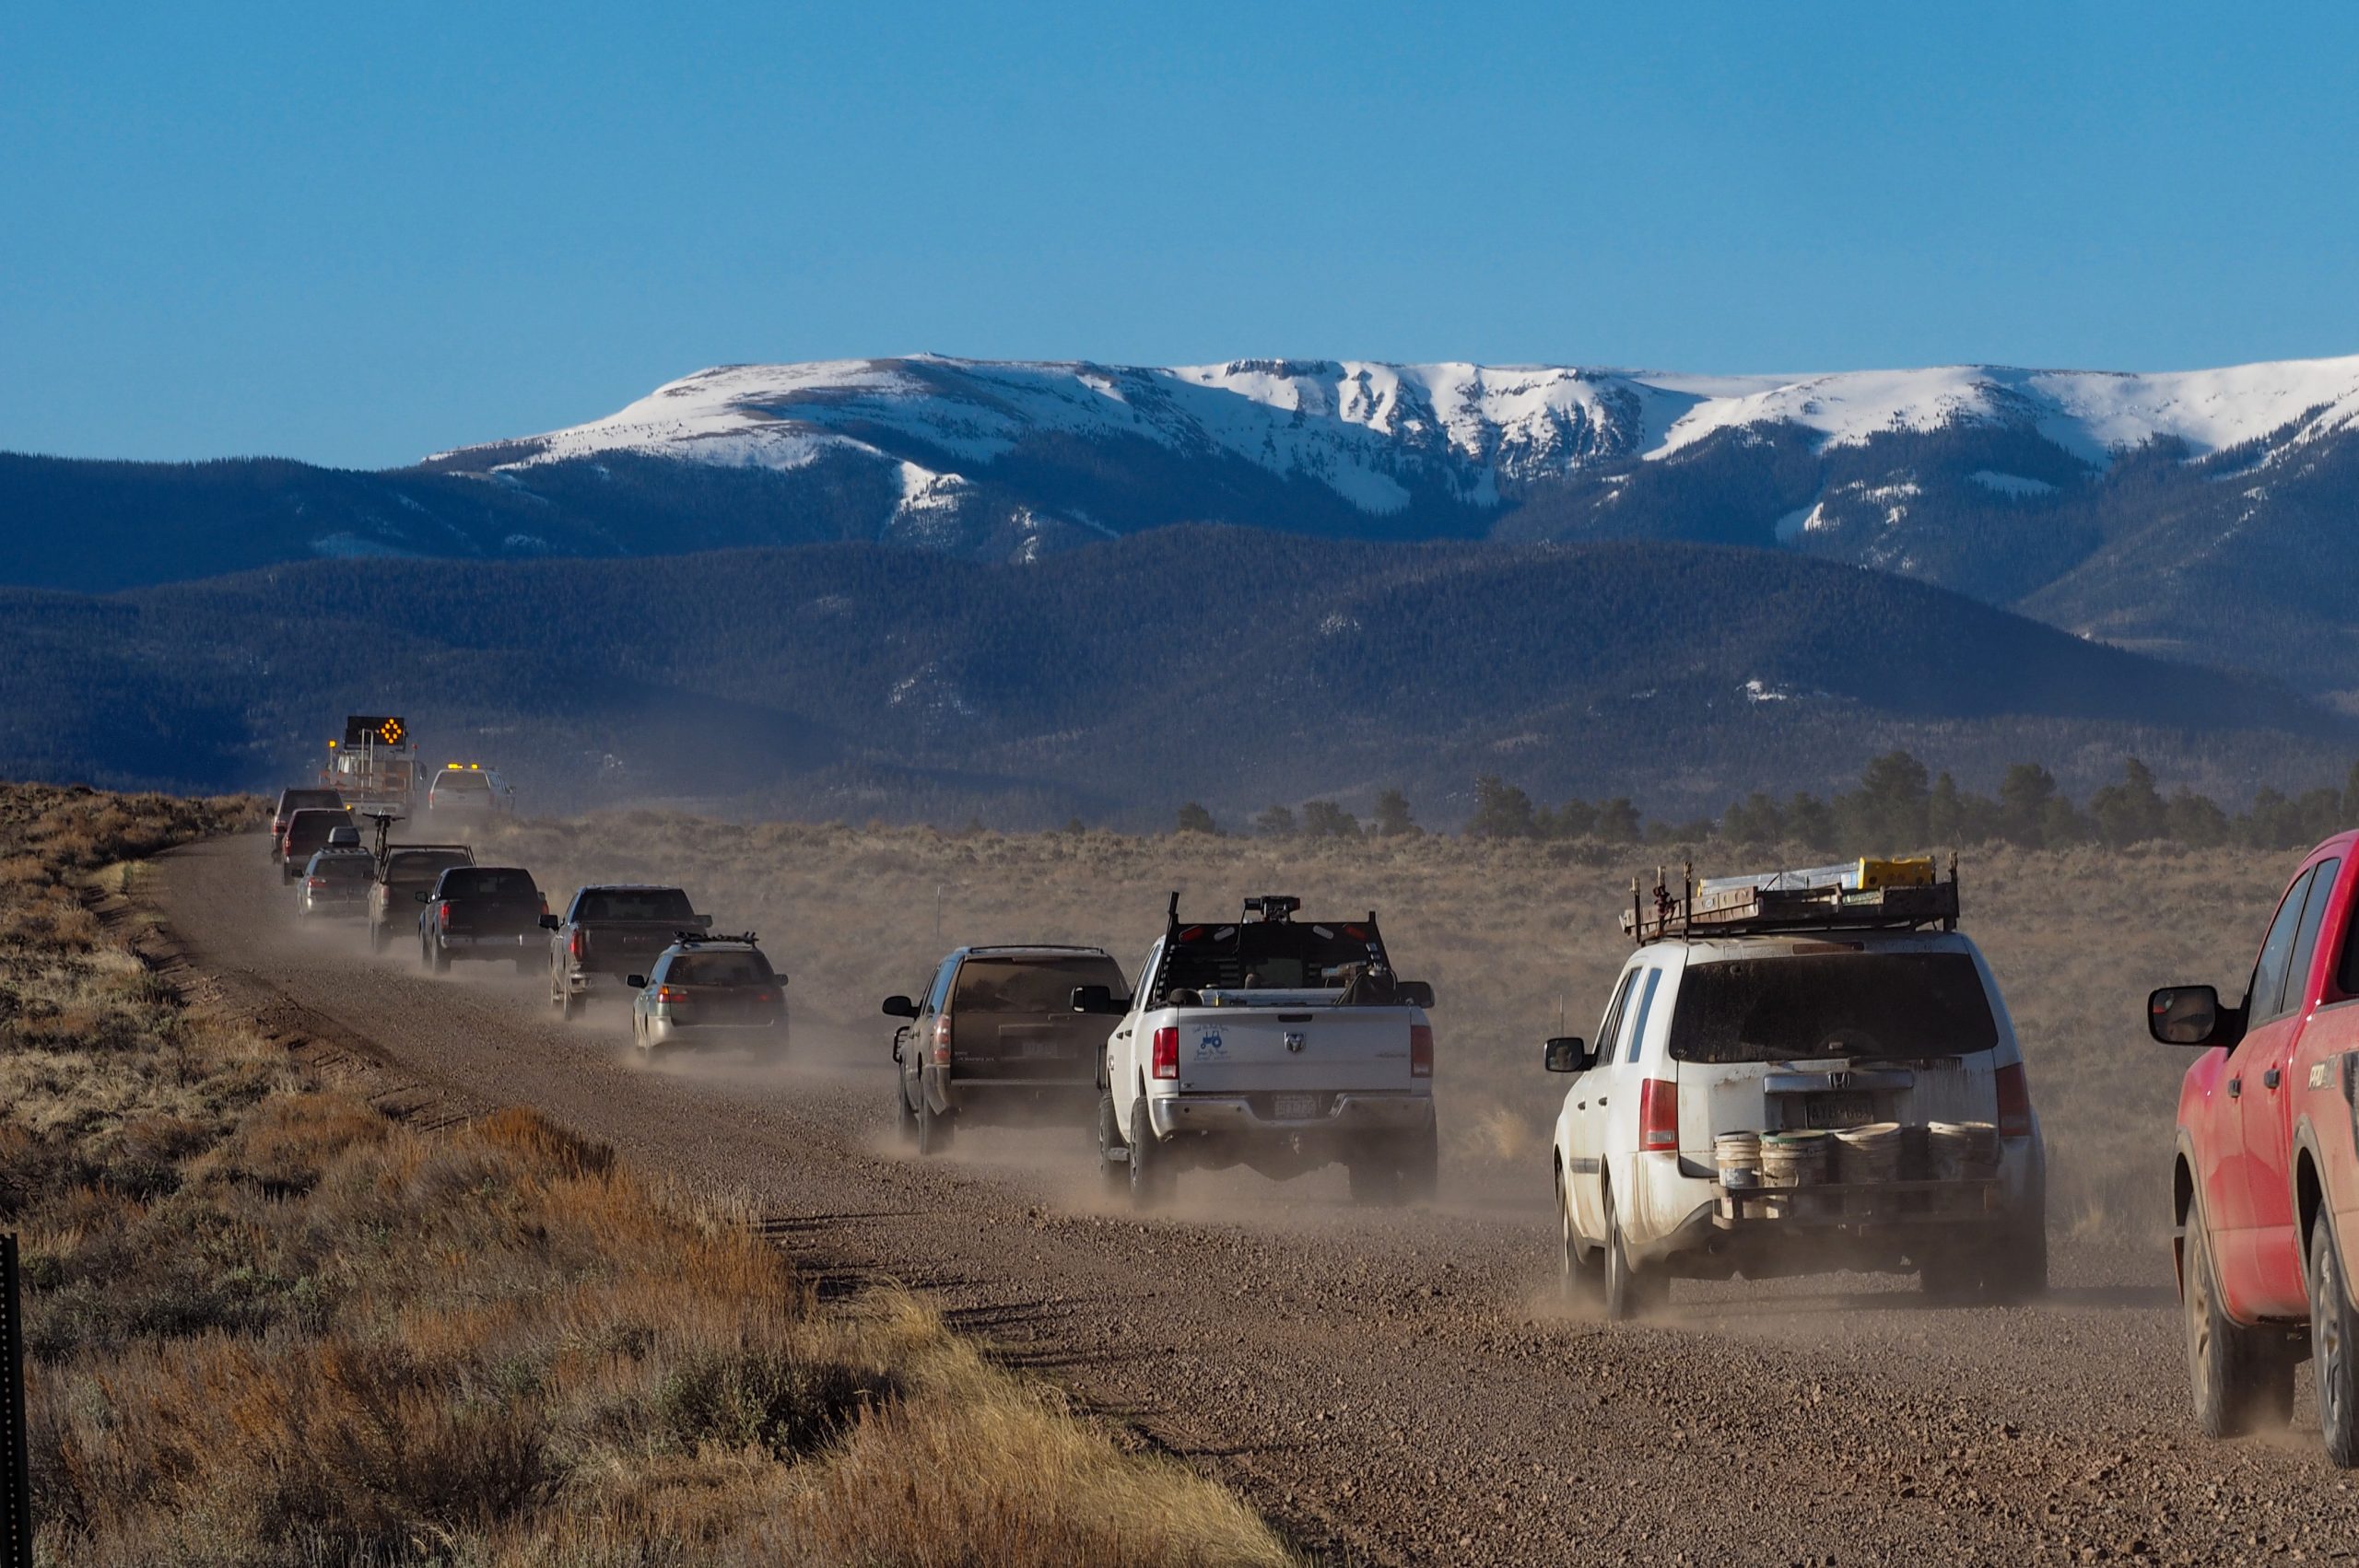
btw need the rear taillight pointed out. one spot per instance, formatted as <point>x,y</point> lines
<point>1421,1050</point>
<point>670,994</point>
<point>315,883</point>
<point>764,996</point>
<point>942,1039</point>
<point>2014,1102</point>
<point>573,944</point>
<point>442,912</point>
<point>1166,1053</point>
<point>1659,1115</point>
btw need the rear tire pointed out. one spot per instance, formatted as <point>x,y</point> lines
<point>376,937</point>
<point>1629,1295</point>
<point>2240,1380</point>
<point>1114,1155</point>
<point>1580,1275</point>
<point>1152,1178</point>
<point>2334,1347</point>
<point>905,1120</point>
<point>1421,1173</point>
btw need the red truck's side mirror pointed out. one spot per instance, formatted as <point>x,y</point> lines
<point>2191,1015</point>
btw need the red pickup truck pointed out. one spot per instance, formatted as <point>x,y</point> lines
<point>2267,1178</point>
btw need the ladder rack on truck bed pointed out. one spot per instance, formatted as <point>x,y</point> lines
<point>1873,898</point>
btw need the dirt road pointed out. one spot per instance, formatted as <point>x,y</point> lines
<point>1387,1386</point>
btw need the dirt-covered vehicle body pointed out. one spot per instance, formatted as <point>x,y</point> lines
<point>335,882</point>
<point>1796,1078</point>
<point>404,871</point>
<point>481,912</point>
<point>709,992</point>
<point>992,1036</point>
<point>1273,1042</point>
<point>309,830</point>
<point>610,931</point>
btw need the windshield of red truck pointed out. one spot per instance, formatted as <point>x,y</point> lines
<point>1031,985</point>
<point>1888,1006</point>
<point>1266,956</point>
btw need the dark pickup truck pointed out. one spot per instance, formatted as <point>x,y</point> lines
<point>404,871</point>
<point>609,933</point>
<point>481,912</point>
<point>994,1037</point>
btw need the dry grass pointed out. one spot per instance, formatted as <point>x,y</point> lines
<point>270,1326</point>
<point>1515,936</point>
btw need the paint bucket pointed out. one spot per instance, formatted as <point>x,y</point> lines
<point>1866,1156</point>
<point>1963,1151</point>
<point>1738,1156</point>
<point>1795,1159</point>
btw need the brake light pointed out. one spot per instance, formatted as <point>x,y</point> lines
<point>764,996</point>
<point>1166,1053</point>
<point>2014,1102</point>
<point>670,993</point>
<point>942,1039</point>
<point>442,912</point>
<point>1659,1115</point>
<point>573,944</point>
<point>315,883</point>
<point>1421,1050</point>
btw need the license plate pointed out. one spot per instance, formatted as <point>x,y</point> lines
<point>1839,1110</point>
<point>1034,1049</point>
<point>1296,1107</point>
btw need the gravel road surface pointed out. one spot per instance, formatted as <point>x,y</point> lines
<point>1387,1386</point>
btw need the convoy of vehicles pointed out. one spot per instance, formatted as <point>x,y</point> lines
<point>481,912</point>
<point>1799,1074</point>
<point>993,1035</point>
<point>709,992</point>
<point>2265,1184</point>
<point>609,931</point>
<point>1280,1044</point>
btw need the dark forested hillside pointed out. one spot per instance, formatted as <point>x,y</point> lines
<point>1229,666</point>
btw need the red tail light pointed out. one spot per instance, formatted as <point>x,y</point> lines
<point>670,993</point>
<point>573,944</point>
<point>1166,1053</point>
<point>942,1039</point>
<point>1421,1050</point>
<point>442,912</point>
<point>764,996</point>
<point>2014,1102</point>
<point>1659,1115</point>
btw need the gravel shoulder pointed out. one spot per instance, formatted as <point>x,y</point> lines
<point>1387,1386</point>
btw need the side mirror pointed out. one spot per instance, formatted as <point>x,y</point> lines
<point>701,922</point>
<point>899,1007</point>
<point>1414,993</point>
<point>426,897</point>
<point>1100,999</point>
<point>550,923</point>
<point>2191,1015</point>
<point>1566,1053</point>
<point>636,982</point>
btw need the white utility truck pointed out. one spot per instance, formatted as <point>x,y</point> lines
<point>1799,1073</point>
<point>1273,1042</point>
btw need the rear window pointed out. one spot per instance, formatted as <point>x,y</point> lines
<point>314,825</point>
<point>1030,985</point>
<point>421,865</point>
<point>459,783</point>
<point>1892,1006</point>
<point>299,799</point>
<point>342,868</point>
<point>1266,956</point>
<point>634,904</point>
<point>719,969</point>
<point>491,882</point>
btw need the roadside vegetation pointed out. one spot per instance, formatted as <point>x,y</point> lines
<point>267,1325</point>
<point>1520,937</point>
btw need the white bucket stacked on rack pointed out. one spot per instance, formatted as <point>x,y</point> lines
<point>1962,1151</point>
<point>1738,1156</point>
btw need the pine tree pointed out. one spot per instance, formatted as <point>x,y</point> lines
<point>1392,819</point>
<point>1194,818</point>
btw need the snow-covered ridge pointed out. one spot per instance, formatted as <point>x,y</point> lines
<point>1372,432</point>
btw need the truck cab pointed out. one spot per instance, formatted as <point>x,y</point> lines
<point>1797,1073</point>
<point>1273,1042</point>
<point>2265,1180</point>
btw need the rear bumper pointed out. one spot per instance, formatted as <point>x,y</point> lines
<point>457,944</point>
<point>716,1036</point>
<point>1352,1116</point>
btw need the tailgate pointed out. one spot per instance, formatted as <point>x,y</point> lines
<point>492,918</point>
<point>1237,1050</point>
<point>624,948</point>
<point>723,1006</point>
<point>1052,1047</point>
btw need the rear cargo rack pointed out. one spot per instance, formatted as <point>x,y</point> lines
<point>694,939</point>
<point>1752,910</point>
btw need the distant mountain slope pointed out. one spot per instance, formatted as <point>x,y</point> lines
<point>1227,665</point>
<point>2201,513</point>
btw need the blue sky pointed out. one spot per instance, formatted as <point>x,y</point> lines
<point>354,235</point>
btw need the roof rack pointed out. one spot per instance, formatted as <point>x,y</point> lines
<point>693,938</point>
<point>1873,895</point>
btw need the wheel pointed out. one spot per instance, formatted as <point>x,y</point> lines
<point>1629,1293</point>
<point>933,1131</point>
<point>377,940</point>
<point>1580,1274</point>
<point>1114,1155</point>
<point>2334,1347</point>
<point>2239,1379</point>
<point>905,1120</point>
<point>1152,1178</point>
<point>2019,1272</point>
<point>639,1042</point>
<point>1421,1171</point>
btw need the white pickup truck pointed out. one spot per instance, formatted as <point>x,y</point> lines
<point>1280,1044</point>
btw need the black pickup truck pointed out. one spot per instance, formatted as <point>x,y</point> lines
<point>611,933</point>
<point>404,873</point>
<point>481,912</point>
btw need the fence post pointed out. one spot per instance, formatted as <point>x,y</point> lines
<point>16,1476</point>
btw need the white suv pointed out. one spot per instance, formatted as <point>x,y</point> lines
<point>1794,1083</point>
